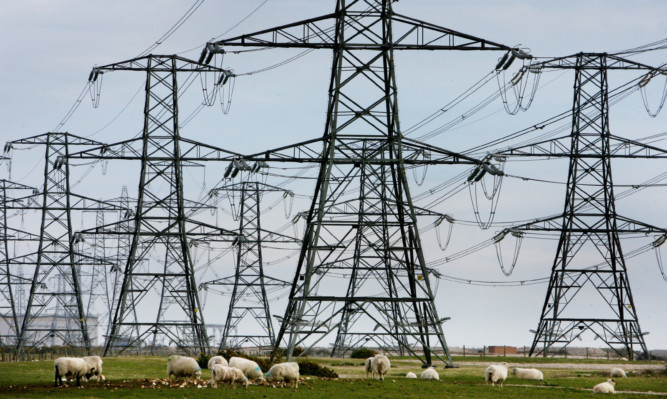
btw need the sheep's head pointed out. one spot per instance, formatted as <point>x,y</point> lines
<point>514,371</point>
<point>612,381</point>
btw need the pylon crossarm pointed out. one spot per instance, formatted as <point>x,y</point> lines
<point>554,223</point>
<point>47,138</point>
<point>348,147</point>
<point>156,63</point>
<point>319,33</point>
<point>191,151</point>
<point>559,147</point>
<point>413,34</point>
<point>613,63</point>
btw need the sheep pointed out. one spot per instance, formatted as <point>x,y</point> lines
<point>617,373</point>
<point>430,374</point>
<point>380,365</point>
<point>284,372</point>
<point>369,367</point>
<point>250,369</point>
<point>528,374</point>
<point>496,373</point>
<point>220,373</point>
<point>217,360</point>
<point>95,365</point>
<point>182,366</point>
<point>73,367</point>
<point>411,375</point>
<point>605,387</point>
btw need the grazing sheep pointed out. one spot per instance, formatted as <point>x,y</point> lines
<point>605,387</point>
<point>430,374</point>
<point>528,374</point>
<point>250,369</point>
<point>496,373</point>
<point>182,366</point>
<point>369,367</point>
<point>380,365</point>
<point>95,366</point>
<point>220,373</point>
<point>72,367</point>
<point>284,372</point>
<point>411,375</point>
<point>617,373</point>
<point>217,360</point>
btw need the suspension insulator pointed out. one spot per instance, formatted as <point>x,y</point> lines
<point>228,171</point>
<point>509,62</point>
<point>502,60</point>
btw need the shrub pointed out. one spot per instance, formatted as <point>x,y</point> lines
<point>314,369</point>
<point>202,360</point>
<point>362,353</point>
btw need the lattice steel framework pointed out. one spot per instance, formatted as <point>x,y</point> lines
<point>362,224</point>
<point>55,290</point>
<point>248,320</point>
<point>11,280</point>
<point>580,298</point>
<point>158,299</point>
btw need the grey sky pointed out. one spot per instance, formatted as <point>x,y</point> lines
<point>48,48</point>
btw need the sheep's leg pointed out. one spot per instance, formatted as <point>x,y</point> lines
<point>78,380</point>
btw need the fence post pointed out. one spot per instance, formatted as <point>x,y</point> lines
<point>464,351</point>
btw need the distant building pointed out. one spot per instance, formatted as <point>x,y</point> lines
<point>502,350</point>
<point>48,323</point>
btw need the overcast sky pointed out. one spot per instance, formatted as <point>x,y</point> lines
<point>48,48</point>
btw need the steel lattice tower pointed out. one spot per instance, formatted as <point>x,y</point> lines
<point>56,289</point>
<point>10,280</point>
<point>362,223</point>
<point>249,318</point>
<point>589,225</point>
<point>158,296</point>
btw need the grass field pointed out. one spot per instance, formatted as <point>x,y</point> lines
<point>133,377</point>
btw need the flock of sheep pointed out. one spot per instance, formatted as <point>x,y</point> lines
<point>241,371</point>
<point>237,371</point>
<point>497,374</point>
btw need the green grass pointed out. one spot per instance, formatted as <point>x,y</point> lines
<point>125,377</point>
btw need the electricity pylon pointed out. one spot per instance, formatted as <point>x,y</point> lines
<point>362,224</point>
<point>158,302</point>
<point>11,282</point>
<point>249,317</point>
<point>589,225</point>
<point>55,289</point>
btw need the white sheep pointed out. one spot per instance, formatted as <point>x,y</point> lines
<point>528,374</point>
<point>70,367</point>
<point>411,375</point>
<point>605,387</point>
<point>617,373</point>
<point>496,373</point>
<point>217,360</point>
<point>284,372</point>
<point>430,374</point>
<point>250,368</point>
<point>181,366</point>
<point>369,367</point>
<point>220,373</point>
<point>95,365</point>
<point>380,365</point>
